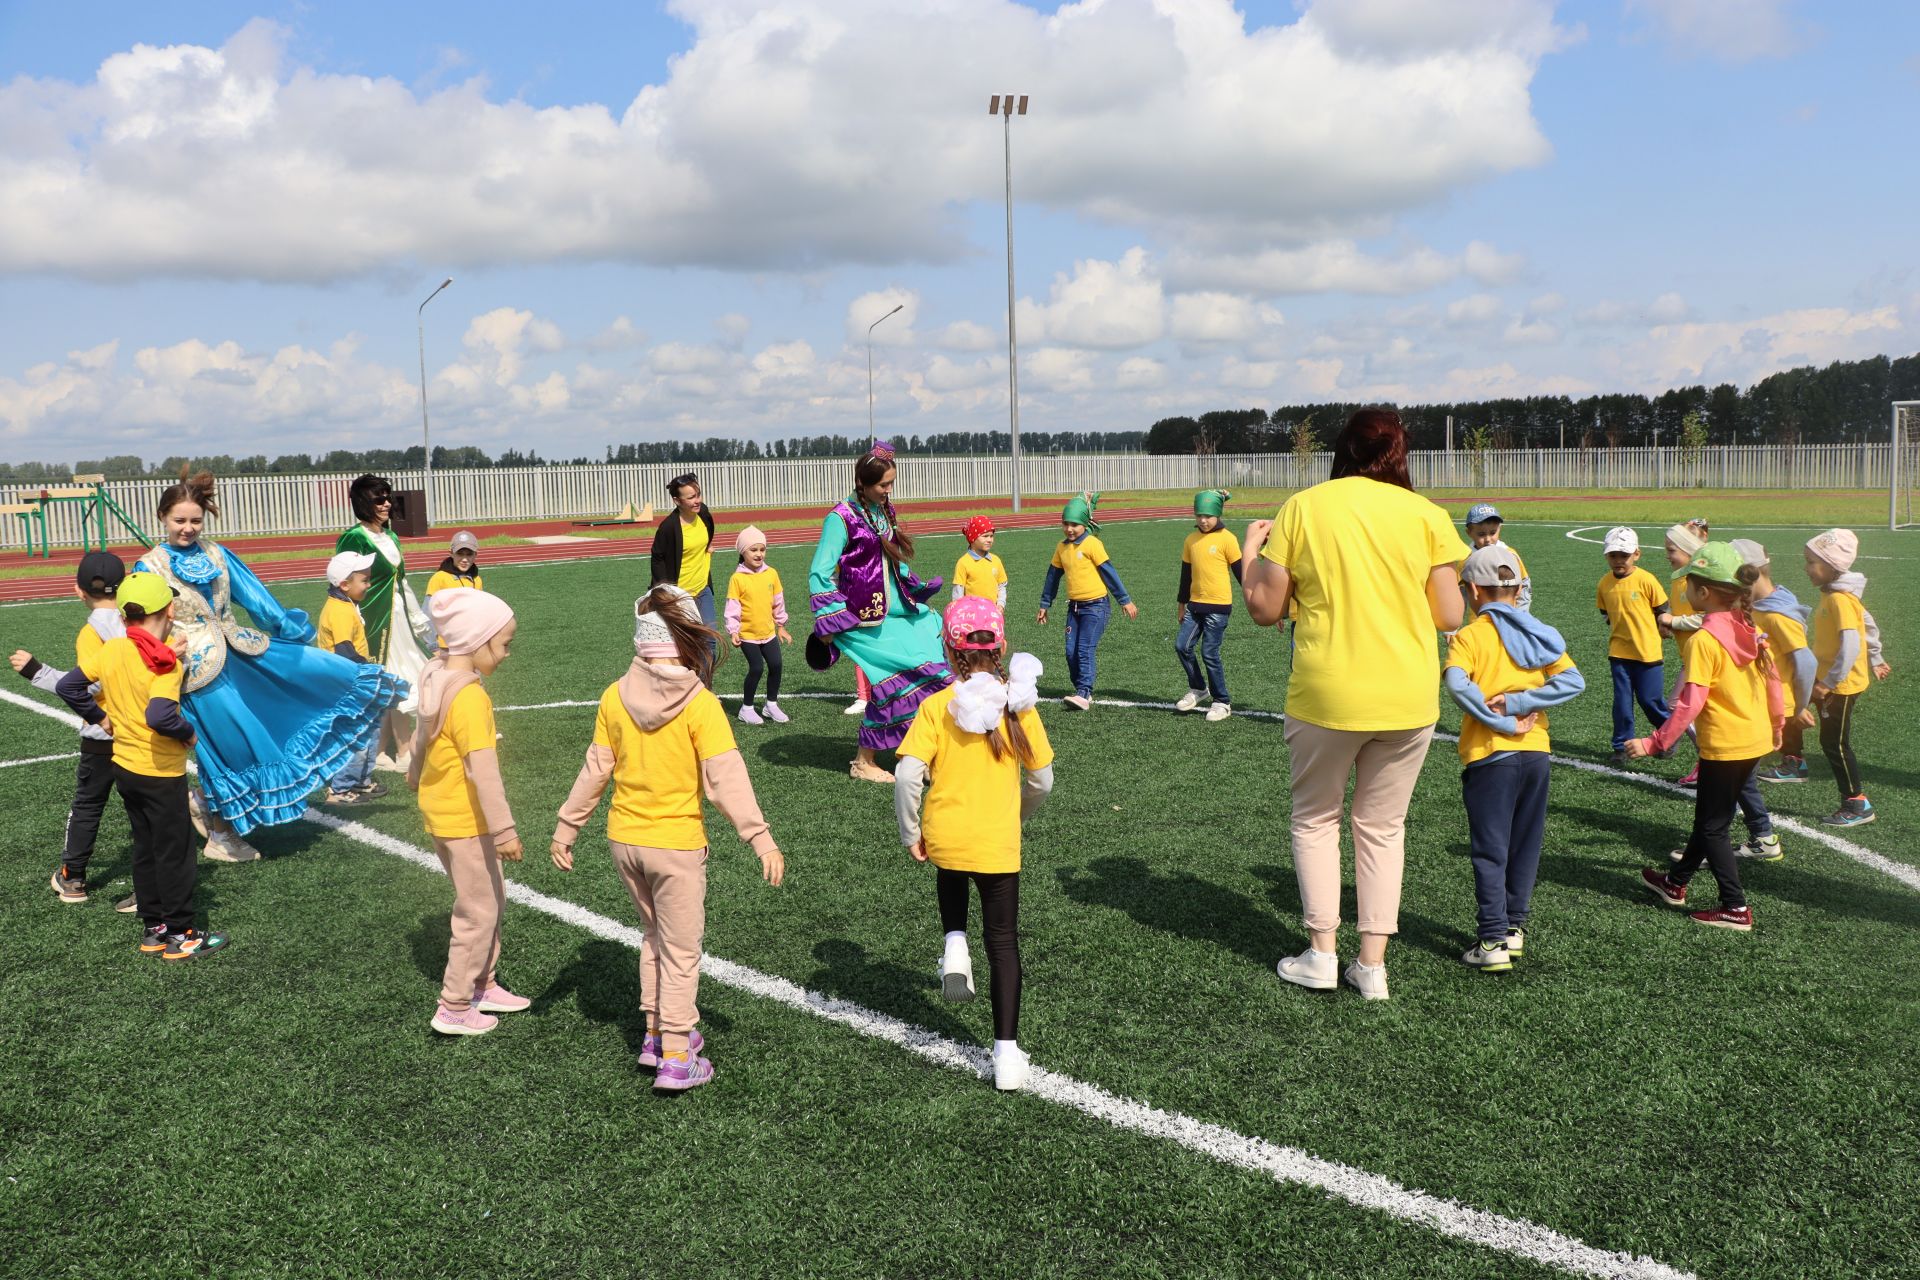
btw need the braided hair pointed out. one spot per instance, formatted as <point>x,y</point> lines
<point>870,470</point>
<point>1007,736</point>
<point>1741,597</point>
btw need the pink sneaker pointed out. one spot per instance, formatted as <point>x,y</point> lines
<point>1693,777</point>
<point>677,1075</point>
<point>497,999</point>
<point>650,1048</point>
<point>775,714</point>
<point>749,716</point>
<point>464,1022</point>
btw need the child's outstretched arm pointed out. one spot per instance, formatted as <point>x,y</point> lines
<point>35,672</point>
<point>724,779</point>
<point>1474,702</point>
<point>1688,702</point>
<point>909,785</point>
<point>588,786</point>
<point>1047,589</point>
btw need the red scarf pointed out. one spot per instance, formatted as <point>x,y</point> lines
<point>157,654</point>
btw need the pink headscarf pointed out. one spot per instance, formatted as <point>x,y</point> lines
<point>466,620</point>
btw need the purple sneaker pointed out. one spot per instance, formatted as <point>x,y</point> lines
<point>463,1022</point>
<point>650,1048</point>
<point>677,1075</point>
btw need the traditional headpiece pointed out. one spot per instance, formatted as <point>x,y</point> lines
<point>880,449</point>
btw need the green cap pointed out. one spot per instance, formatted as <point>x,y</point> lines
<point>1211,502</point>
<point>1079,510</point>
<point>1713,562</point>
<point>148,590</point>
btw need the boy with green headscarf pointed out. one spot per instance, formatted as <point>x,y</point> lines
<point>1082,560</point>
<point>1209,566</point>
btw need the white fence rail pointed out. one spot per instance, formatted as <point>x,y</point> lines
<point>254,505</point>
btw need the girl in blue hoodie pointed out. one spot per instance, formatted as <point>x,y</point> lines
<point>1505,668</point>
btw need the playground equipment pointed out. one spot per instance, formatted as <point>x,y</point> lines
<point>89,493</point>
<point>628,515</point>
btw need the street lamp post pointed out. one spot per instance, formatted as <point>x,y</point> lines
<point>1005,105</point>
<point>871,437</point>
<point>426,442</point>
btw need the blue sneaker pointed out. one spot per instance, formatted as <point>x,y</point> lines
<point>1857,812</point>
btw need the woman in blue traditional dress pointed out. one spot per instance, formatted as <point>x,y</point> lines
<point>274,717</point>
<point>868,604</point>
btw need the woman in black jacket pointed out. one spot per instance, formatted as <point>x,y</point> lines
<point>683,546</point>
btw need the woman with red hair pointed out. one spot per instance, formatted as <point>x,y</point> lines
<point>1372,567</point>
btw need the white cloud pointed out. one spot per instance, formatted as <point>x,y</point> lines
<point>1741,351</point>
<point>1473,310</point>
<point>1526,331</point>
<point>945,374</point>
<point>872,309</point>
<point>1209,316</point>
<point>1727,30</point>
<point>1102,304</point>
<point>1338,266</point>
<point>1057,369</point>
<point>1140,372</point>
<point>687,357</point>
<point>1668,308</point>
<point>762,148</point>
<point>965,335</point>
<point>617,336</point>
<point>733,329</point>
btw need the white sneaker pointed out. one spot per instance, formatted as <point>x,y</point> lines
<point>749,716</point>
<point>1314,970</point>
<point>1010,1068</point>
<point>775,714</point>
<point>1077,702</point>
<point>1219,711</point>
<point>224,846</point>
<point>197,809</point>
<point>1188,701</point>
<point>858,707</point>
<point>387,764</point>
<point>1370,980</point>
<point>956,975</point>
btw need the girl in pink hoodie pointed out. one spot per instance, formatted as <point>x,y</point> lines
<point>662,740</point>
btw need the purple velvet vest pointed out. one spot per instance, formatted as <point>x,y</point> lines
<point>863,569</point>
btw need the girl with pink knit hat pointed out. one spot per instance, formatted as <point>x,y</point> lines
<point>756,621</point>
<point>456,770</point>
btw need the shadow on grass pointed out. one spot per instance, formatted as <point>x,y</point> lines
<point>908,994</point>
<point>1179,903</point>
<point>832,752</point>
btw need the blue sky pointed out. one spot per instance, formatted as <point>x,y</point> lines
<point>216,221</point>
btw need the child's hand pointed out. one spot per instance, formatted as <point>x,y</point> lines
<point>1041,617</point>
<point>1639,748</point>
<point>1820,691</point>
<point>1257,534</point>
<point>562,855</point>
<point>1132,609</point>
<point>1526,724</point>
<point>785,637</point>
<point>918,849</point>
<point>509,849</point>
<point>1807,717</point>
<point>1497,704</point>
<point>734,640</point>
<point>1779,738</point>
<point>20,659</point>
<point>1881,670</point>
<point>1179,614</point>
<point>773,867</point>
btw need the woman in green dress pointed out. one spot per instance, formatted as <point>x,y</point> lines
<point>399,637</point>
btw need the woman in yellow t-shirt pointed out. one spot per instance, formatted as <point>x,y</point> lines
<point>682,550</point>
<point>1374,569</point>
<point>662,740</point>
<point>966,751</point>
<point>1730,695</point>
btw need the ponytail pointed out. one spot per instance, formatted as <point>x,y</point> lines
<point>694,642</point>
<point>1749,574</point>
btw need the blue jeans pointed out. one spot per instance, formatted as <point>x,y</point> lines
<point>1642,682</point>
<point>1753,808</point>
<point>1206,630</point>
<point>704,602</point>
<point>1086,623</point>
<point>358,770</point>
<point>1506,821</point>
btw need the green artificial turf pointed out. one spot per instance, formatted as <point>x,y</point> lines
<point>1730,1105</point>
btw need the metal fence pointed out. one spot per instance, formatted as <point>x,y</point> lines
<point>253,505</point>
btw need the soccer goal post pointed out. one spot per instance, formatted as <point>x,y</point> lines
<point>1903,464</point>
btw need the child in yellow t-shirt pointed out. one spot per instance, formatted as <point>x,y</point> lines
<point>979,572</point>
<point>1731,693</point>
<point>456,770</point>
<point>1484,525</point>
<point>1841,665</point>
<point>140,678</point>
<point>662,740</point>
<point>1505,668</point>
<point>756,619</point>
<point>966,752</point>
<point>342,630</point>
<point>1633,603</point>
<point>1682,541</point>
<point>1209,566</point>
<point>461,568</point>
<point>1081,559</point>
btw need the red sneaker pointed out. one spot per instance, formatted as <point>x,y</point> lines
<point>1674,895</point>
<point>1736,918</point>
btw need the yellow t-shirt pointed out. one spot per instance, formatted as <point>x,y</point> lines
<point>755,592</point>
<point>656,772</point>
<point>1680,605</point>
<point>980,577</point>
<point>87,643</point>
<point>126,686</point>
<point>1629,603</point>
<point>1839,611</point>
<point>1735,724</point>
<point>696,566</point>
<point>971,820</point>
<point>342,620</point>
<point>1360,552</point>
<point>1212,556</point>
<point>441,580</point>
<point>449,802</point>
<point>1081,562</point>
<point>1785,635</point>
<point>1478,651</point>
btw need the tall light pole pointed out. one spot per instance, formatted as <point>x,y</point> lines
<point>426,442</point>
<point>871,437</point>
<point>1004,105</point>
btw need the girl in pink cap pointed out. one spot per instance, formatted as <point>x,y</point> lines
<point>757,623</point>
<point>965,752</point>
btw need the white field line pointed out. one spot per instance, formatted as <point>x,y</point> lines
<point>14,764</point>
<point>1576,533</point>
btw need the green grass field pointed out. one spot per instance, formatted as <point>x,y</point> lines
<point>1724,1105</point>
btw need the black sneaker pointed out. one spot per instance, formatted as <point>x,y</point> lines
<point>154,941</point>
<point>191,944</point>
<point>127,905</point>
<point>1620,759</point>
<point>70,888</point>
<point>371,790</point>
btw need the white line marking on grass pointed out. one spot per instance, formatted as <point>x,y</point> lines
<point>1515,1236</point>
<point>15,764</point>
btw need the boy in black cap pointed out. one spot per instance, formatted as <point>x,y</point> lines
<point>97,582</point>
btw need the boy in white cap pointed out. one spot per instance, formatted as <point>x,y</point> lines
<point>1634,605</point>
<point>1505,668</point>
<point>343,630</point>
<point>1841,665</point>
<point>1484,523</point>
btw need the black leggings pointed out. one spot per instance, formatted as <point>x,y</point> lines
<point>1000,915</point>
<point>1715,798</point>
<point>765,654</point>
<point>1836,740</point>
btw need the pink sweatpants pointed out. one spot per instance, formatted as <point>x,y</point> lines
<point>669,888</point>
<point>1384,768</point>
<point>479,898</point>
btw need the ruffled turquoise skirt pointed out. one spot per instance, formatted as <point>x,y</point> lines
<point>271,729</point>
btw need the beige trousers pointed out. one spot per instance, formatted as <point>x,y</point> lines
<point>1384,768</point>
<point>669,888</point>
<point>479,898</point>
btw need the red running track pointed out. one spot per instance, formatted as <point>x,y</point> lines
<point>427,552</point>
